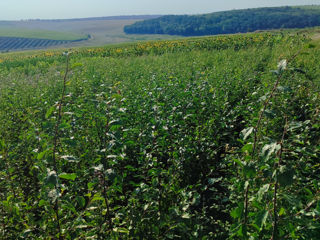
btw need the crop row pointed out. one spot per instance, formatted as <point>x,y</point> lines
<point>219,43</point>
<point>13,43</point>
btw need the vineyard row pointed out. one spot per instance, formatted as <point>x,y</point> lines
<point>14,43</point>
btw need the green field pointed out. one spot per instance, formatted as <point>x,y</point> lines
<point>314,7</point>
<point>195,138</point>
<point>102,31</point>
<point>13,38</point>
<point>23,35</point>
<point>41,34</point>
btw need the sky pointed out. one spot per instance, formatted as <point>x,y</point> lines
<point>63,9</point>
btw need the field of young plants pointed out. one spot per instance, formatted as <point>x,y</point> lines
<point>199,138</point>
<point>13,43</point>
<point>12,39</point>
<point>83,32</point>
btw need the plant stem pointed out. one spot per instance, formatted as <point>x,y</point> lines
<point>257,128</point>
<point>55,145</point>
<point>246,205</point>
<point>276,185</point>
<point>275,214</point>
<point>107,215</point>
<point>265,105</point>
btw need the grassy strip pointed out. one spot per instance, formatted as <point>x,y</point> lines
<point>41,34</point>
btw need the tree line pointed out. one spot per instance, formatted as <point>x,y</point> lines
<point>227,22</point>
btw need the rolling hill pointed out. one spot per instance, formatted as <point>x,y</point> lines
<point>25,39</point>
<point>227,22</point>
<point>74,32</point>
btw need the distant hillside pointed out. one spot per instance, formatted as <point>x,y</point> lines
<point>97,31</point>
<point>124,17</point>
<point>236,21</point>
<point>40,34</point>
<point>12,38</point>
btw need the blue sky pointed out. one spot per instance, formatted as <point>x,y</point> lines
<point>55,9</point>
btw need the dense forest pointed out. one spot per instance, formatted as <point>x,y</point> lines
<point>236,21</point>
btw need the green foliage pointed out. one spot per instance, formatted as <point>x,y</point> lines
<point>236,21</point>
<point>160,140</point>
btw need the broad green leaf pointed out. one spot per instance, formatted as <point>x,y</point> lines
<point>115,127</point>
<point>68,206</point>
<point>317,209</point>
<point>247,148</point>
<point>97,197</point>
<point>276,72</point>
<point>98,168</point>
<point>82,201</point>
<point>68,176</point>
<point>121,230</point>
<point>53,194</point>
<point>261,218</point>
<point>2,143</point>
<point>293,200</point>
<point>269,114</point>
<point>236,213</point>
<point>311,45</point>
<point>42,203</point>
<point>249,171</point>
<point>238,161</point>
<point>64,125</point>
<point>69,158</point>
<point>309,192</point>
<point>77,64</point>
<point>41,155</point>
<point>114,122</point>
<point>116,96</point>
<point>240,232</point>
<point>284,88</point>
<point>50,111</point>
<point>270,149</point>
<point>295,125</point>
<point>262,191</point>
<point>282,65</point>
<point>68,83</point>
<point>282,211</point>
<point>82,226</point>
<point>285,176</point>
<point>212,181</point>
<point>52,178</point>
<point>186,216</point>
<point>246,132</point>
<point>90,185</point>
